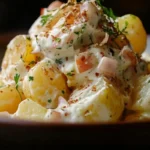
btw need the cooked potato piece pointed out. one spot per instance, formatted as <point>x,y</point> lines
<point>99,101</point>
<point>141,94</point>
<point>134,30</point>
<point>44,83</point>
<point>19,48</point>
<point>18,68</point>
<point>10,97</point>
<point>30,110</point>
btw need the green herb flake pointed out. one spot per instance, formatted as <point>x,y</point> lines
<point>58,40</point>
<point>28,38</point>
<point>149,81</point>
<point>49,100</point>
<point>31,78</point>
<point>16,79</point>
<point>125,27</point>
<point>91,38</point>
<point>59,61</point>
<point>32,63</point>
<point>70,73</point>
<point>77,33</point>
<point>45,18</point>
<point>63,92</point>
<point>59,48</point>
<point>108,11</point>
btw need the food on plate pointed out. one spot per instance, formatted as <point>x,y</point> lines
<point>78,63</point>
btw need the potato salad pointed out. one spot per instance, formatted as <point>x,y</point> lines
<point>79,63</point>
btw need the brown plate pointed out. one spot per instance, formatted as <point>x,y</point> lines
<point>63,134</point>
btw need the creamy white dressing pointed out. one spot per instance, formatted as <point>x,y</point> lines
<point>83,41</point>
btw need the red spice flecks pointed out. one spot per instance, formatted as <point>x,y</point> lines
<point>83,58</point>
<point>66,114</point>
<point>97,74</point>
<point>66,58</point>
<point>28,68</point>
<point>102,54</point>
<point>73,101</point>
<point>51,79</point>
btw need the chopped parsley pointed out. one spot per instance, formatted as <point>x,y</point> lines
<point>149,81</point>
<point>125,27</point>
<point>90,37</point>
<point>63,92</point>
<point>70,73</point>
<point>28,38</point>
<point>111,26</point>
<point>45,18</point>
<point>49,100</point>
<point>59,61</point>
<point>31,78</point>
<point>32,63</point>
<point>59,48</point>
<point>108,11</point>
<point>58,40</point>
<point>81,31</point>
<point>16,79</point>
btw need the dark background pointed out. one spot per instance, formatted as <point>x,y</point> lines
<point>20,14</point>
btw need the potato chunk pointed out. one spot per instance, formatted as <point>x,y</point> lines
<point>100,101</point>
<point>10,97</point>
<point>30,110</point>
<point>44,83</point>
<point>18,49</point>
<point>135,31</point>
<point>141,94</point>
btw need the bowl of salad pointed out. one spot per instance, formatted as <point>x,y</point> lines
<point>79,75</point>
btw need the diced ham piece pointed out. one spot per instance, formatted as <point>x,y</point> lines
<point>108,66</point>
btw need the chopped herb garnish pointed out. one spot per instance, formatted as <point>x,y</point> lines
<point>32,63</point>
<point>16,79</point>
<point>108,11</point>
<point>57,39</point>
<point>49,100</point>
<point>59,48</point>
<point>31,78</point>
<point>125,27</point>
<point>77,33</point>
<point>63,92</point>
<point>90,37</point>
<point>45,18</point>
<point>28,38</point>
<point>70,73</point>
<point>149,81</point>
<point>59,61</point>
<point>81,31</point>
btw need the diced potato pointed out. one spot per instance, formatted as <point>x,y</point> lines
<point>44,84</point>
<point>99,101</point>
<point>135,31</point>
<point>141,94</point>
<point>19,48</point>
<point>30,110</point>
<point>10,98</point>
